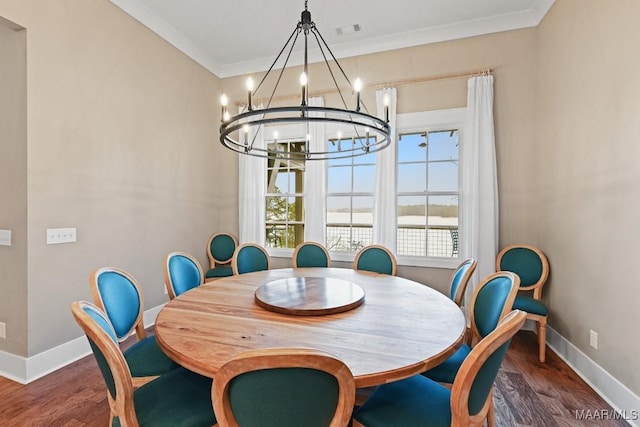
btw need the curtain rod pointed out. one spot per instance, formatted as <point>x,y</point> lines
<point>383,85</point>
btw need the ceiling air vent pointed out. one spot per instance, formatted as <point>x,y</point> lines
<point>348,29</point>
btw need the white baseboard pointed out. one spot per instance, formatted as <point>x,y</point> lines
<point>616,394</point>
<point>27,369</point>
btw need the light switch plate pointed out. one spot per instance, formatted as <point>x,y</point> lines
<point>60,235</point>
<point>5,237</point>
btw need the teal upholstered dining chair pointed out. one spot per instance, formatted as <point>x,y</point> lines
<point>250,257</point>
<point>177,398</point>
<point>532,266</point>
<point>376,258</point>
<point>220,248</point>
<point>279,387</point>
<point>420,402</point>
<point>181,273</point>
<point>311,254</point>
<point>491,302</point>
<point>118,294</point>
<point>460,279</point>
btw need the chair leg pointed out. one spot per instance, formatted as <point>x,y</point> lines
<point>542,338</point>
<point>491,413</point>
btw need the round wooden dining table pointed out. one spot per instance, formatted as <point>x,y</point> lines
<point>401,327</point>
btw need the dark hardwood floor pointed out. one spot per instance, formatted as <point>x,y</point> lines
<point>527,393</point>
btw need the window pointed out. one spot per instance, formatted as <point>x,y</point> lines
<point>285,197</point>
<point>428,193</point>
<point>429,204</point>
<point>350,192</point>
<point>428,186</point>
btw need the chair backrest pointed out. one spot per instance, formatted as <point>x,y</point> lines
<point>460,279</point>
<point>115,371</point>
<point>283,387</point>
<point>250,257</point>
<point>377,259</point>
<point>492,301</point>
<point>220,248</point>
<point>118,294</point>
<point>471,392</point>
<point>311,254</point>
<point>181,273</point>
<point>526,261</point>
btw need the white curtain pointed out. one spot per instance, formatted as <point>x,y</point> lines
<point>384,205</point>
<point>252,188</point>
<point>316,183</point>
<point>479,220</point>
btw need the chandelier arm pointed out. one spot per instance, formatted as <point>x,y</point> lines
<point>275,87</point>
<point>295,31</point>
<point>333,77</point>
<point>284,66</point>
<point>315,30</point>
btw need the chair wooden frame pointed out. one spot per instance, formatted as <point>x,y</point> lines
<point>270,358</point>
<point>138,326</point>
<point>475,336</point>
<point>508,305</point>
<point>234,259</point>
<point>464,281</point>
<point>123,405</point>
<point>213,262</point>
<point>294,258</point>
<point>541,321</point>
<point>394,261</point>
<point>167,276</point>
<point>461,388</point>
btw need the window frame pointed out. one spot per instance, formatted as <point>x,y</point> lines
<point>430,121</point>
<point>352,165</point>
<point>285,194</point>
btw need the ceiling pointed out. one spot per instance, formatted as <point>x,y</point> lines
<point>236,37</point>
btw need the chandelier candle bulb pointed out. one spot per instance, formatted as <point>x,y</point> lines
<point>249,93</point>
<point>303,84</point>
<point>357,86</point>
<point>245,128</point>
<point>386,108</point>
<point>224,101</point>
<point>366,139</point>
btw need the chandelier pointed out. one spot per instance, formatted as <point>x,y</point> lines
<point>369,133</point>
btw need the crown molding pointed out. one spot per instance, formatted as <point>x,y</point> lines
<point>458,30</point>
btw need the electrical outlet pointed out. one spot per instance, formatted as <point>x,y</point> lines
<point>5,237</point>
<point>60,235</point>
<point>593,338</point>
<point>3,330</point>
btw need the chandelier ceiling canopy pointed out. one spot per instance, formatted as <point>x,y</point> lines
<point>370,133</point>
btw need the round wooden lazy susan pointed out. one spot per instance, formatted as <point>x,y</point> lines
<point>309,296</point>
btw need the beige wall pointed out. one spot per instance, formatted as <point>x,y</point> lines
<point>511,55</point>
<point>587,177</point>
<point>122,133</point>
<point>13,185</point>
